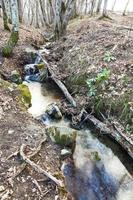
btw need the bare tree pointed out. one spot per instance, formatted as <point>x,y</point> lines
<point>93,3</point>
<point>125,9</point>
<point>63,12</point>
<point>20,12</point>
<point>113,5</point>
<point>5,17</point>
<point>7,50</point>
<point>98,6</point>
<point>104,14</point>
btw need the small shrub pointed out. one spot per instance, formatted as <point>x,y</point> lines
<point>108,57</point>
<point>94,84</point>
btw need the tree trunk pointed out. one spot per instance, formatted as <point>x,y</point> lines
<point>63,13</point>
<point>5,18</point>
<point>113,5</point>
<point>99,6</point>
<point>105,9</point>
<point>124,12</point>
<point>7,50</point>
<point>93,2</point>
<point>20,12</point>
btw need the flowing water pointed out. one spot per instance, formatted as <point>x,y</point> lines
<point>87,180</point>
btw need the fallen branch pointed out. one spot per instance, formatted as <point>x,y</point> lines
<point>38,168</point>
<point>111,130</point>
<point>62,87</point>
<point>64,90</point>
<point>23,165</point>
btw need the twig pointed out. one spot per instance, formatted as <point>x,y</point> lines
<point>13,154</point>
<point>38,168</point>
<point>38,186</point>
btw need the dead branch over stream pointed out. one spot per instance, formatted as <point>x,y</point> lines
<point>112,131</point>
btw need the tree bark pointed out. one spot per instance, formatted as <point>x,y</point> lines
<point>105,9</point>
<point>7,50</point>
<point>20,12</point>
<point>63,13</point>
<point>125,9</point>
<point>99,6</point>
<point>5,18</point>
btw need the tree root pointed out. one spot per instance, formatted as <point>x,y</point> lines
<point>23,165</point>
<point>38,168</point>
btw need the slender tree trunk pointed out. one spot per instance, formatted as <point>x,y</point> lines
<point>98,6</point>
<point>125,9</point>
<point>113,5</point>
<point>93,2</point>
<point>20,12</point>
<point>105,9</point>
<point>5,18</point>
<point>7,50</point>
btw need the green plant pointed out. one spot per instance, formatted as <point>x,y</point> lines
<point>95,83</point>
<point>108,57</point>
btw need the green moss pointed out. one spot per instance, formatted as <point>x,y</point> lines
<point>41,66</point>
<point>16,77</point>
<point>95,156</point>
<point>26,95</point>
<point>62,135</point>
<point>4,84</point>
<point>7,50</point>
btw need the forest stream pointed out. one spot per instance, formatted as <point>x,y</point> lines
<point>96,170</point>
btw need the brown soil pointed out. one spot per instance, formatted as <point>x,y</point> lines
<point>80,56</point>
<point>17,127</point>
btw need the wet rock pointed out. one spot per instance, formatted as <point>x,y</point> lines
<point>53,111</point>
<point>2,188</point>
<point>65,153</point>
<point>26,95</point>
<point>63,136</point>
<point>31,69</point>
<point>15,77</point>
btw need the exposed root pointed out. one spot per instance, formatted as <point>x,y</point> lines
<point>38,168</point>
<point>23,165</point>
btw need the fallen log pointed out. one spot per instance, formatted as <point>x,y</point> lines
<point>64,90</point>
<point>112,131</point>
<point>61,86</point>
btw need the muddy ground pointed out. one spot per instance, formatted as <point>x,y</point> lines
<point>80,54</point>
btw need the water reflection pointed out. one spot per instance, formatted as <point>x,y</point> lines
<point>96,178</point>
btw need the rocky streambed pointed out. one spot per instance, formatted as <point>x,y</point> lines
<point>92,168</point>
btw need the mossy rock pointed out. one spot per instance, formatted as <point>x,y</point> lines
<point>4,84</point>
<point>63,136</point>
<point>8,48</point>
<point>95,156</point>
<point>16,77</point>
<point>26,95</point>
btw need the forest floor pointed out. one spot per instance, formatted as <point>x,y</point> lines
<point>99,52</point>
<point>90,46</point>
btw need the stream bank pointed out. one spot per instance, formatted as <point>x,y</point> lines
<point>93,165</point>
